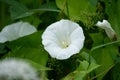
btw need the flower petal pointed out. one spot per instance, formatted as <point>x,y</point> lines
<point>62,39</point>
<point>26,29</point>
<point>2,38</point>
<point>15,31</point>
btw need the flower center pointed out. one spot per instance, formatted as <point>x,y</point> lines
<point>65,44</point>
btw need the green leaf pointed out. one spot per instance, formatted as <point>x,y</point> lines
<point>80,75</point>
<point>75,9</point>
<point>76,75</point>
<point>87,56</point>
<point>92,66</point>
<point>38,66</point>
<point>32,41</point>
<point>93,2</point>
<point>19,11</point>
<point>35,54</point>
<point>83,66</point>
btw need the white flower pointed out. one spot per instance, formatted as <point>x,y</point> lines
<point>15,69</point>
<point>108,29</point>
<point>63,39</point>
<point>15,31</point>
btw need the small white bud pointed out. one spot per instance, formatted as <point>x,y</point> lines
<point>108,29</point>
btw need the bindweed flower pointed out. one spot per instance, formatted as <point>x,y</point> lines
<point>108,29</point>
<point>63,39</point>
<point>15,31</point>
<point>15,69</point>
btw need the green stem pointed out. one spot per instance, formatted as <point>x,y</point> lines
<point>67,9</point>
<point>107,44</point>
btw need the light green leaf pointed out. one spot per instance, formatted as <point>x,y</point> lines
<point>83,66</point>
<point>76,76</point>
<point>70,76</point>
<point>87,56</point>
<point>75,9</point>
<point>92,66</point>
<point>80,75</point>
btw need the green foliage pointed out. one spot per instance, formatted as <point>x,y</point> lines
<point>51,6</point>
<point>116,72</point>
<point>28,47</point>
<point>112,9</point>
<point>82,71</point>
<point>103,54</point>
<point>100,61</point>
<point>18,10</point>
<point>93,2</point>
<point>38,66</point>
<point>75,12</point>
<point>83,11</point>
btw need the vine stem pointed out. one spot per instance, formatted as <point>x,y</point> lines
<point>65,5</point>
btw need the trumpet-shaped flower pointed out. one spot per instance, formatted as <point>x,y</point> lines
<point>63,39</point>
<point>108,29</point>
<point>15,69</point>
<point>15,31</point>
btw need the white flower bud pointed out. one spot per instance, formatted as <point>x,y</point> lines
<point>108,29</point>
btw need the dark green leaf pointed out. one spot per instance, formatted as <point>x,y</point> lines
<point>51,6</point>
<point>93,2</point>
<point>17,10</point>
<point>116,72</point>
